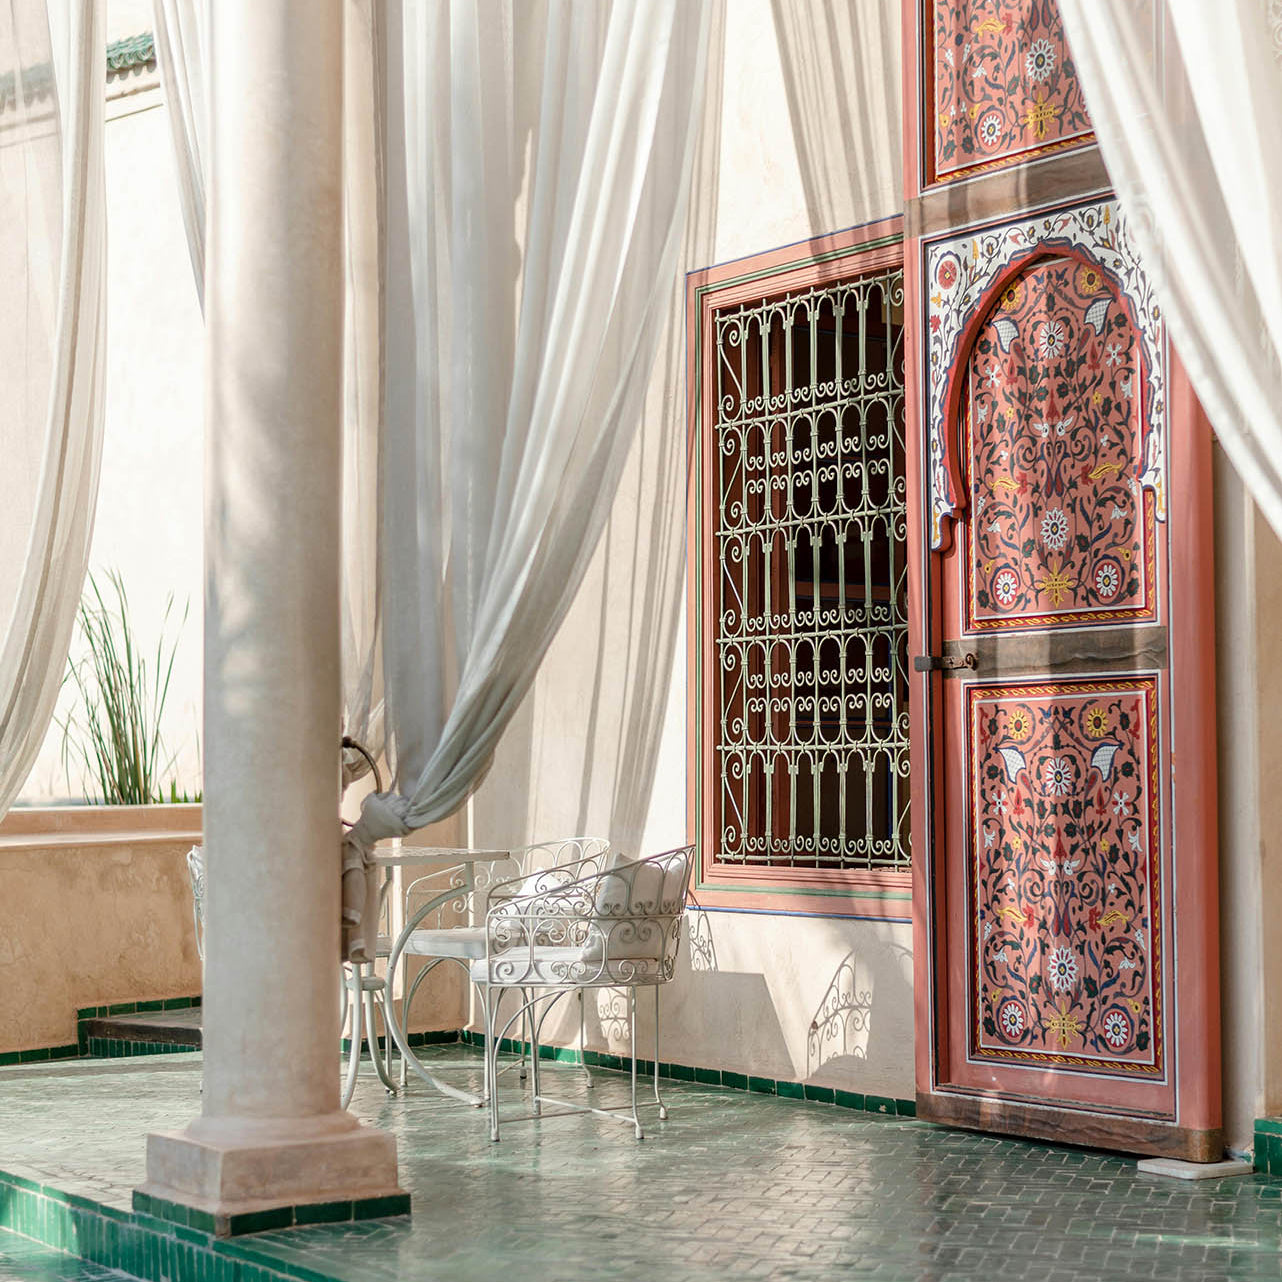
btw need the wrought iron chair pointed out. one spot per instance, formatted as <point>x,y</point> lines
<point>574,928</point>
<point>465,944</point>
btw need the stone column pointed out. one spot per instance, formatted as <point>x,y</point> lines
<point>271,1135</point>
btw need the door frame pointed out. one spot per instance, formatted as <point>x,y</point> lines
<point>1193,1130</point>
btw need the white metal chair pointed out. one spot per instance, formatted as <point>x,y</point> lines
<point>532,867</point>
<point>574,928</point>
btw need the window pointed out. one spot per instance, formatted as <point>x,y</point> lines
<point>802,630</point>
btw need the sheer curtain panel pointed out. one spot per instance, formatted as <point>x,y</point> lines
<point>52,314</point>
<point>539,157</point>
<point>1186,96</point>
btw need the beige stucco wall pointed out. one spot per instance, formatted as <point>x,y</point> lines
<point>92,917</point>
<point>1248,559</point>
<point>790,150</point>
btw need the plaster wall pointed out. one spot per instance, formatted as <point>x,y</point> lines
<point>791,149</point>
<point>91,918</point>
<point>1248,622</point>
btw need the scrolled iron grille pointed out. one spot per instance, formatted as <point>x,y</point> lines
<point>811,633</point>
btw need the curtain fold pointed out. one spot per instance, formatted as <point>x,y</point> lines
<point>1185,97</point>
<point>52,317</point>
<point>539,157</point>
<point>182,44</point>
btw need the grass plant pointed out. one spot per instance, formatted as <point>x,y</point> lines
<point>113,733</point>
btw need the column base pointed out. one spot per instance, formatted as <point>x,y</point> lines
<point>238,1183</point>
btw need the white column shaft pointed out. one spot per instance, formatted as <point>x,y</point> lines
<point>274,315</point>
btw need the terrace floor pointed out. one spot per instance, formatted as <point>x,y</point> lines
<point>733,1185</point>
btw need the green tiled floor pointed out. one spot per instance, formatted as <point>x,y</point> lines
<point>22,1260</point>
<point>735,1185</point>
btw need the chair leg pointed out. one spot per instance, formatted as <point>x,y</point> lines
<point>382,1066</point>
<point>526,1025</point>
<point>583,1040</point>
<point>354,1057</point>
<point>534,1057</point>
<point>632,1046</point>
<point>658,1099</point>
<point>491,1056</point>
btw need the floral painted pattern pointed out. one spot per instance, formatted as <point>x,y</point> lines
<point>958,274</point>
<point>1064,846</point>
<point>1059,528</point>
<point>1004,86</point>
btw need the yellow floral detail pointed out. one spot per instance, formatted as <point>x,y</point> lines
<point>945,119</point>
<point>1105,845</point>
<point>1057,583</point>
<point>1005,483</point>
<point>1018,724</point>
<point>988,566</point>
<point>996,995</point>
<point>1134,1005</point>
<point>973,110</point>
<point>1012,296</point>
<point>1009,910</point>
<point>989,26</point>
<point>1063,1025</point>
<point>937,299</point>
<point>1039,113</point>
<point>1089,280</point>
<point>1096,397</point>
<point>1113,914</point>
<point>1103,468</point>
<point>1097,722</point>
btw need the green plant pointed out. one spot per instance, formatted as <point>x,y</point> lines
<point>113,735</point>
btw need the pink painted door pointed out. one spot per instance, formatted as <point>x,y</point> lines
<point>1069,997</point>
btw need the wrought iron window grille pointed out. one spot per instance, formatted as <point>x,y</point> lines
<point>810,571</point>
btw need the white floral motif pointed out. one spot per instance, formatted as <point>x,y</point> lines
<point>1050,341</point>
<point>1121,803</point>
<point>1040,60</point>
<point>1059,776</point>
<point>1005,586</point>
<point>1012,1018</point>
<point>1063,969</point>
<point>990,128</point>
<point>994,376</point>
<point>1107,579</point>
<point>1055,529</point>
<point>1117,1029</point>
<point>1000,804</point>
<point>1113,354</point>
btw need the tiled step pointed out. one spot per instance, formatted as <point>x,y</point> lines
<point>156,1032</point>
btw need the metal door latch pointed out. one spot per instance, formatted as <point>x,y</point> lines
<point>948,662</point>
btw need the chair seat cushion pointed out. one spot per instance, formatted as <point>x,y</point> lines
<point>453,941</point>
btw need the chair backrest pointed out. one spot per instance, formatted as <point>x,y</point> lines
<point>196,874</point>
<point>532,865</point>
<point>638,909</point>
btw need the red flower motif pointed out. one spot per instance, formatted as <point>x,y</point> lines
<point>1030,916</point>
<point>934,324</point>
<point>1092,918</point>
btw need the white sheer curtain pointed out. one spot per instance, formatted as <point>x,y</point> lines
<point>182,43</point>
<point>1186,98</point>
<point>538,174</point>
<point>52,313</point>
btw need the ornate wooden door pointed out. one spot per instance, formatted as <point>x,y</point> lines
<point>1067,901</point>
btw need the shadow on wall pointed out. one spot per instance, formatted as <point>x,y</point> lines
<point>841,74</point>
